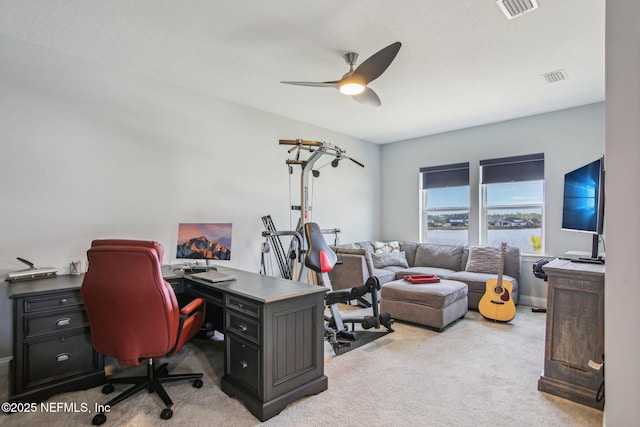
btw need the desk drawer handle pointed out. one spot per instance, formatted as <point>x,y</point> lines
<point>63,322</point>
<point>242,327</point>
<point>243,364</point>
<point>63,357</point>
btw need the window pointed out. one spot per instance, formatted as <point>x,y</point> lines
<point>512,205</point>
<point>444,211</point>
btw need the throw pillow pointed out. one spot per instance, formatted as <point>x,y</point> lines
<point>385,247</point>
<point>389,259</point>
<point>483,259</point>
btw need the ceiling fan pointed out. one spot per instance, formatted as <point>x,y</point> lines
<point>354,82</point>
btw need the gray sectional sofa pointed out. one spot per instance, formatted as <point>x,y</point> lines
<point>392,260</point>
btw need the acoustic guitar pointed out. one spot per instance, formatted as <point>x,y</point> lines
<point>497,302</point>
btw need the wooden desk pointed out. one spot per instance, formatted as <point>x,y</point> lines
<point>575,331</point>
<point>274,337</point>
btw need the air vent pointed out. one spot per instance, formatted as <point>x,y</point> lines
<point>555,76</point>
<point>514,8</point>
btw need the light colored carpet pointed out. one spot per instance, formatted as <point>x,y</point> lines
<point>475,373</point>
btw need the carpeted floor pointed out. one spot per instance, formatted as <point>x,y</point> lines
<point>475,373</point>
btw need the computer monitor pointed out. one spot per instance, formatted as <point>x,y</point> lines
<point>204,241</point>
<point>583,202</point>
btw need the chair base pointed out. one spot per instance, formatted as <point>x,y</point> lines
<point>152,382</point>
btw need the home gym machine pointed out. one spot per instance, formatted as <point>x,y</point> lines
<point>308,251</point>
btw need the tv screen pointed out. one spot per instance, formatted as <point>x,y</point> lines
<point>204,241</point>
<point>582,207</point>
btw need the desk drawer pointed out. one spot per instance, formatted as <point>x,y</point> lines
<point>58,358</point>
<point>243,326</point>
<point>244,363</point>
<point>36,325</point>
<point>49,302</point>
<point>243,306</point>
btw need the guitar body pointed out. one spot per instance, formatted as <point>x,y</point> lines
<point>497,301</point>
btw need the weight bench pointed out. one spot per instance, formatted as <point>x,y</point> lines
<point>321,259</point>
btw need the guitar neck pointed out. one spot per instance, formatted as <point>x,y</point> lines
<point>503,250</point>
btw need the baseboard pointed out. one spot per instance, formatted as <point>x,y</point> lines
<point>532,301</point>
<point>5,362</point>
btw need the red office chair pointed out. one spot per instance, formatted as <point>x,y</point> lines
<point>134,315</point>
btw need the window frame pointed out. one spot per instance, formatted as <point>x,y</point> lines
<point>513,171</point>
<point>443,176</point>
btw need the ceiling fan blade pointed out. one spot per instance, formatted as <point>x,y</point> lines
<point>313,84</point>
<point>368,97</point>
<point>375,65</point>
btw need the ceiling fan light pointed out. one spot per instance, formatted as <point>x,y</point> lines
<point>352,88</point>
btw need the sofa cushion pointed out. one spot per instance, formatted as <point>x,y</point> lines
<point>385,247</point>
<point>477,281</point>
<point>390,259</point>
<point>483,259</point>
<point>384,275</point>
<point>441,256</point>
<point>409,249</point>
<point>368,246</point>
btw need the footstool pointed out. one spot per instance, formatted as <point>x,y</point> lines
<point>435,305</point>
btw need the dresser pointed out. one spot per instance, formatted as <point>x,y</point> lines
<point>52,348</point>
<point>574,331</point>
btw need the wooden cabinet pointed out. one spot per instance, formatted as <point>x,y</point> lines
<point>574,331</point>
<point>52,348</point>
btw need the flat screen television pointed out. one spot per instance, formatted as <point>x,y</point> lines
<point>583,202</point>
<point>204,241</point>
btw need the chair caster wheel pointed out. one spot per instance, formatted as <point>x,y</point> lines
<point>99,419</point>
<point>166,414</point>
<point>108,388</point>
<point>197,383</point>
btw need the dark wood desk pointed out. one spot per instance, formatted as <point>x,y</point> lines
<point>274,336</point>
<point>273,328</point>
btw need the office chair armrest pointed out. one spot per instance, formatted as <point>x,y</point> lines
<point>195,305</point>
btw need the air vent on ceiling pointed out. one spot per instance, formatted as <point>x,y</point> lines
<point>555,76</point>
<point>514,8</point>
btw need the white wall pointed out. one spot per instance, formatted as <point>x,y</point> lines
<point>91,152</point>
<point>568,138</point>
<point>622,290</point>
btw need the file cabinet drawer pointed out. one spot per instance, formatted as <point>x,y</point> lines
<point>63,357</point>
<point>243,326</point>
<point>50,302</point>
<point>36,325</point>
<point>244,363</point>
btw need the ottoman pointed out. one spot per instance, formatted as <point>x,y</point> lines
<point>435,305</point>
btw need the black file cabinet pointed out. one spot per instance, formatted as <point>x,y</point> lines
<point>52,348</point>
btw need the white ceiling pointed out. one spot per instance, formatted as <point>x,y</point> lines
<point>462,62</point>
